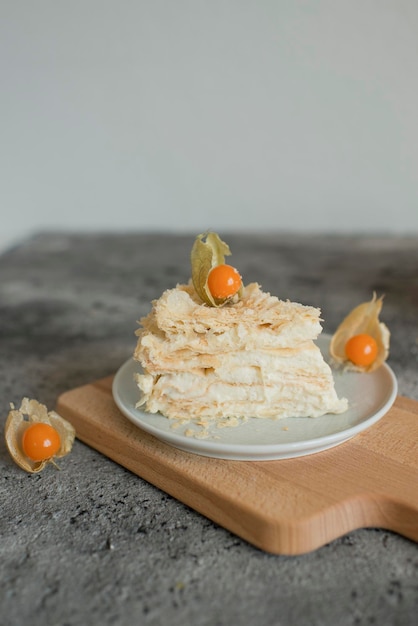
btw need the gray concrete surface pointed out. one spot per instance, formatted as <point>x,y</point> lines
<point>95,544</point>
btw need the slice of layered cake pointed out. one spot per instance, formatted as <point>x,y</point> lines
<point>245,355</point>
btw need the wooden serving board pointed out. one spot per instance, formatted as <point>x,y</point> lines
<point>288,506</point>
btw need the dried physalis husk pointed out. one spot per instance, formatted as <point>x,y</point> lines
<point>208,251</point>
<point>30,412</point>
<point>364,318</point>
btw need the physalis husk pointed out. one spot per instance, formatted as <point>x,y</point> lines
<point>208,252</point>
<point>31,412</point>
<point>363,319</point>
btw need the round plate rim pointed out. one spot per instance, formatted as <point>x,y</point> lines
<point>256,451</point>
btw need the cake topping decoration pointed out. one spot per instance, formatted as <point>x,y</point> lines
<point>224,281</point>
<point>215,282</point>
<point>361,341</point>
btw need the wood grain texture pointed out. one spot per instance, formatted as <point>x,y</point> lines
<point>289,506</point>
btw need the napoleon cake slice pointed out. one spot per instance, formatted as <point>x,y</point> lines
<point>254,357</point>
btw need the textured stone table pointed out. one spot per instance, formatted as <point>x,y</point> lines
<point>95,544</point>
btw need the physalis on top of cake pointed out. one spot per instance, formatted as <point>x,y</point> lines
<point>361,341</point>
<point>215,282</point>
<point>215,350</point>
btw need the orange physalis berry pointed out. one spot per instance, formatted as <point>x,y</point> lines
<point>361,349</point>
<point>224,281</point>
<point>40,441</point>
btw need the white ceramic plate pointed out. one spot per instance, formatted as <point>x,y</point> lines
<point>370,396</point>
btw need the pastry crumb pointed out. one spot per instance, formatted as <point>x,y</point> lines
<point>197,434</point>
<point>228,422</point>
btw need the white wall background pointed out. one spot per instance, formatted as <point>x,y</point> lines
<point>196,114</point>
